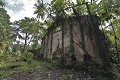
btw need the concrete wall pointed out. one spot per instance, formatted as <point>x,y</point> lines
<point>84,38</point>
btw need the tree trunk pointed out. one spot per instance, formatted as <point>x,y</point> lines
<point>51,43</point>
<point>71,39</point>
<point>24,47</point>
<point>62,37</point>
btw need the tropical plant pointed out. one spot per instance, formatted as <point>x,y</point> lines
<point>29,31</point>
<point>5,31</point>
<point>40,9</point>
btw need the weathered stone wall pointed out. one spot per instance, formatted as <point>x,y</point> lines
<point>79,37</point>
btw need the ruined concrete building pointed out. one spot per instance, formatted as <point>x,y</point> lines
<point>77,37</point>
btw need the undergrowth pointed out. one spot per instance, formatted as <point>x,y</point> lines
<point>17,64</point>
<point>89,67</point>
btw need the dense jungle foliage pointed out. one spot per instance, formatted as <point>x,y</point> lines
<point>16,38</point>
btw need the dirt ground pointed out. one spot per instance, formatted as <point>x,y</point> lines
<point>53,75</point>
<point>41,70</point>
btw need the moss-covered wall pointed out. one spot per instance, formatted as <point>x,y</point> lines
<point>79,39</point>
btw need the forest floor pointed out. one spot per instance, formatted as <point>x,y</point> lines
<point>41,70</point>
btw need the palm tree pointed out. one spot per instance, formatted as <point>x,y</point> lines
<point>40,9</point>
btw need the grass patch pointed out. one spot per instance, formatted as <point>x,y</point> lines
<point>8,68</point>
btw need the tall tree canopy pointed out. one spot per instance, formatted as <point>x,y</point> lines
<point>28,31</point>
<point>5,32</point>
